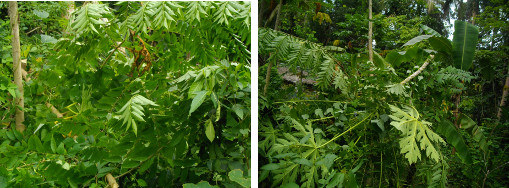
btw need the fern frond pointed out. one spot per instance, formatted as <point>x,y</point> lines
<point>414,130</point>
<point>341,82</point>
<point>451,74</point>
<point>326,72</point>
<point>132,111</point>
<point>299,52</point>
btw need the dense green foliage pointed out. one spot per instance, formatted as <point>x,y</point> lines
<point>155,93</point>
<point>422,114</point>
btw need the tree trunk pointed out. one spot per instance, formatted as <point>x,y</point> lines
<point>70,9</point>
<point>278,19</point>
<point>370,32</point>
<point>260,11</point>
<point>14,22</point>
<point>276,27</point>
<point>505,91</point>
<point>474,9</point>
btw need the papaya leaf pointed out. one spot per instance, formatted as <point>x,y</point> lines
<point>413,131</point>
<point>397,89</point>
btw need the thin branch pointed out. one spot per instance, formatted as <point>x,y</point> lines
<point>32,30</point>
<point>319,119</point>
<point>54,110</point>
<point>111,53</point>
<point>294,101</point>
<point>130,170</point>
<point>351,128</point>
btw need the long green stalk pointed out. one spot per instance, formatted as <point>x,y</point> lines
<point>351,128</point>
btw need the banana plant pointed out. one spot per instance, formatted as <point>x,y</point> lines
<point>461,49</point>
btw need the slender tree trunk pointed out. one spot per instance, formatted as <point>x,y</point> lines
<point>260,12</point>
<point>14,22</point>
<point>278,19</point>
<point>276,27</point>
<point>370,32</point>
<point>70,9</point>
<point>474,10</point>
<point>505,91</point>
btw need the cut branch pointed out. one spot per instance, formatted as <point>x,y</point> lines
<point>418,71</point>
<point>111,181</point>
<point>54,110</point>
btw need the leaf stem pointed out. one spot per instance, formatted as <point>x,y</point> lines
<point>324,118</point>
<point>293,101</point>
<point>351,128</point>
<point>111,53</point>
<point>125,173</point>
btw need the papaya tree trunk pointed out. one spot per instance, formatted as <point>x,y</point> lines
<point>14,22</point>
<point>370,32</point>
<point>276,27</point>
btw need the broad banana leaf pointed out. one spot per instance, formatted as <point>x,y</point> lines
<point>441,44</point>
<point>454,138</point>
<point>417,39</point>
<point>430,31</point>
<point>464,43</point>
